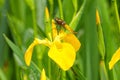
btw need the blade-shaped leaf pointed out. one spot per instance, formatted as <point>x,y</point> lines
<point>16,50</point>
<point>19,55</point>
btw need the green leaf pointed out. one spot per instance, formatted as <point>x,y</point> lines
<point>2,2</point>
<point>30,3</point>
<point>3,29</point>
<point>116,71</point>
<point>2,75</point>
<point>17,52</point>
<point>103,71</point>
<point>91,48</point>
<point>68,10</point>
<point>78,73</point>
<point>40,13</point>
<point>19,55</point>
<point>75,4</point>
<point>101,44</point>
<point>78,16</point>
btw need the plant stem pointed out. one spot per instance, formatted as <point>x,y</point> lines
<point>51,2</point>
<point>60,9</point>
<point>49,68</point>
<point>34,23</point>
<point>63,75</point>
<point>75,7</point>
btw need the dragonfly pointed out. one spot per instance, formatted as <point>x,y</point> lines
<point>63,24</point>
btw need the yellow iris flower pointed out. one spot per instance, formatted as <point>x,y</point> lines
<point>115,58</point>
<point>62,49</point>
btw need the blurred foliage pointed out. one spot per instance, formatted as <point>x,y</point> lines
<point>23,20</point>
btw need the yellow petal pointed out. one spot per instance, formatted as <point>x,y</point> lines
<point>43,76</point>
<point>71,38</point>
<point>47,13</point>
<point>28,53</point>
<point>64,56</point>
<point>97,17</point>
<point>54,29</point>
<point>115,58</point>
